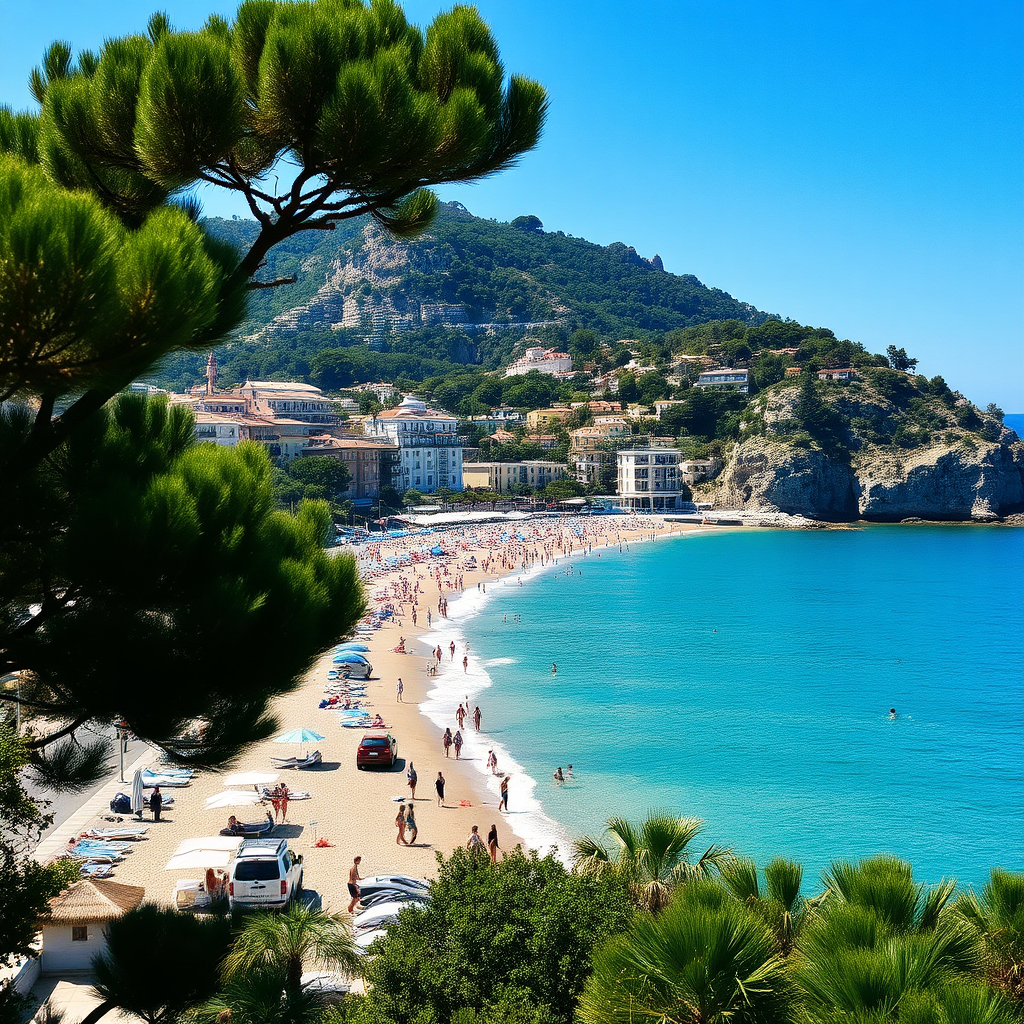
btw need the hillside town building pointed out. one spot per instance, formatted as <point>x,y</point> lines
<point>648,478</point>
<point>541,360</point>
<point>364,457</point>
<point>506,477</point>
<point>539,418</point>
<point>725,378</point>
<point>429,449</point>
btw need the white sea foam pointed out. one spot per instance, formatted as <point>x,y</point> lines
<point>452,687</point>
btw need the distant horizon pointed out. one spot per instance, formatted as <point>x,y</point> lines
<point>854,165</point>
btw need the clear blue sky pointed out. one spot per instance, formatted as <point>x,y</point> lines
<point>856,165</point>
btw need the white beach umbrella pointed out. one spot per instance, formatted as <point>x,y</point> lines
<point>191,859</point>
<point>229,843</point>
<point>233,798</point>
<point>252,779</point>
<point>138,797</point>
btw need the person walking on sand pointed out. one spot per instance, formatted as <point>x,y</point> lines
<point>353,884</point>
<point>460,716</point>
<point>275,801</point>
<point>492,844</point>
<point>156,802</point>
<point>447,741</point>
<point>439,787</point>
<point>503,802</point>
<point>452,649</point>
<point>476,718</point>
<point>400,689</point>
<point>492,762</point>
<point>400,825</point>
<point>411,778</point>
<point>474,842</point>
<point>410,825</point>
<point>284,802</point>
<point>465,663</point>
<point>457,743</point>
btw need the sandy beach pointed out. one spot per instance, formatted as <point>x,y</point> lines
<point>354,810</point>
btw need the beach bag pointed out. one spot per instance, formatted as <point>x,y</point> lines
<point>121,804</point>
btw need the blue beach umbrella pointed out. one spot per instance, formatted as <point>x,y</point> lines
<point>348,658</point>
<point>353,646</point>
<point>298,736</point>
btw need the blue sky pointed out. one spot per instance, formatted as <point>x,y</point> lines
<point>854,165</point>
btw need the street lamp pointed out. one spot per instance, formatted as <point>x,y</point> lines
<point>122,732</point>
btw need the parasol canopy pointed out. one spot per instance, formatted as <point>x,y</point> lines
<point>233,798</point>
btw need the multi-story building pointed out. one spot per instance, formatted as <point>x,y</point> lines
<point>429,448</point>
<point>588,465</point>
<point>363,457</point>
<point>538,418</point>
<point>846,373</point>
<point>505,477</point>
<point>543,360</point>
<point>290,400</point>
<point>503,416</point>
<point>725,378</point>
<point>648,478</point>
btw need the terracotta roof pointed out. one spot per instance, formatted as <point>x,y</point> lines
<point>93,900</point>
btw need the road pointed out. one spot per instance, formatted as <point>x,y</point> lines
<point>63,805</point>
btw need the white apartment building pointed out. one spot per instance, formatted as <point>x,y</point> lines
<point>543,360</point>
<point>292,400</point>
<point>429,449</point>
<point>648,478</point>
<point>725,379</point>
<point>502,477</point>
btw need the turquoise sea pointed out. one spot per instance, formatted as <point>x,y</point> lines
<point>746,677</point>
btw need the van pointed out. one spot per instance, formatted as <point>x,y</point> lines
<point>265,873</point>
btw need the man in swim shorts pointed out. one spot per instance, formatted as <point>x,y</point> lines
<point>353,884</point>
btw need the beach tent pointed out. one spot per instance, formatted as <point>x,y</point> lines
<point>233,798</point>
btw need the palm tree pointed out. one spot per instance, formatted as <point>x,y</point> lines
<point>780,904</point>
<point>262,975</point>
<point>997,918</point>
<point>706,959</point>
<point>652,856</point>
<point>189,954</point>
<point>882,947</point>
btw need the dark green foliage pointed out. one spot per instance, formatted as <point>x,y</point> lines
<point>510,942</point>
<point>997,918</point>
<point>899,360</point>
<point>158,963</point>
<point>707,957</point>
<point>320,475</point>
<point>166,557</point>
<point>968,418</point>
<point>528,223</point>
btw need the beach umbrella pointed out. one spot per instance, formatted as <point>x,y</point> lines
<point>229,843</point>
<point>252,779</point>
<point>350,647</point>
<point>138,797</point>
<point>348,658</point>
<point>233,798</point>
<point>300,736</point>
<point>192,859</point>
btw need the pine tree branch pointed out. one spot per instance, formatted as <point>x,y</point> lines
<point>45,741</point>
<point>254,285</point>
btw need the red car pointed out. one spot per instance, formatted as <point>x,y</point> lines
<point>377,748</point>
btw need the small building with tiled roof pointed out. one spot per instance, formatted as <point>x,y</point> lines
<point>73,926</point>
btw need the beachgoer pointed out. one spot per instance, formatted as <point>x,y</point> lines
<point>232,823</point>
<point>457,743</point>
<point>460,716</point>
<point>411,779</point>
<point>559,777</point>
<point>892,713</point>
<point>353,884</point>
<point>400,825</point>
<point>156,802</point>
<point>447,741</point>
<point>452,649</point>
<point>284,802</point>
<point>476,718</point>
<point>465,664</point>
<point>554,669</point>
<point>439,787</point>
<point>492,844</point>
<point>410,825</point>
<point>474,842</point>
<point>503,803</point>
<point>399,689</point>
<point>568,770</point>
<point>492,762</point>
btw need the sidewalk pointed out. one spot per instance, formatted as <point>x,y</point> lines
<point>99,803</point>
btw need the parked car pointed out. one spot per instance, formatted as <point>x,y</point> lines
<point>417,887</point>
<point>380,916</point>
<point>264,874</point>
<point>377,748</point>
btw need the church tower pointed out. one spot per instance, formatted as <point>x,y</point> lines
<point>211,375</point>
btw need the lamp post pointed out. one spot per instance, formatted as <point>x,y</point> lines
<point>122,741</point>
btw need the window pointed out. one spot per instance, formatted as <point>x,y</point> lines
<point>79,933</point>
<point>256,870</point>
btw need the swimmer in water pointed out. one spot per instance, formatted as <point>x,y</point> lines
<point>892,713</point>
<point>558,776</point>
<point>554,669</point>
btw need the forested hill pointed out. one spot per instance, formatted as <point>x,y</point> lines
<point>467,291</point>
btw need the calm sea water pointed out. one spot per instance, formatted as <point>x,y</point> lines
<point>746,678</point>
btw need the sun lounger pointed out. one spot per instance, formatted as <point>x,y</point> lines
<point>103,845</point>
<point>92,869</point>
<point>151,779</point>
<point>298,762</point>
<point>123,834</point>
<point>250,829</point>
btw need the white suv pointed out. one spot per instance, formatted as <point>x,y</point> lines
<point>265,873</point>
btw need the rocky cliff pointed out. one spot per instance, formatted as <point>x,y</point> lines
<point>880,456</point>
